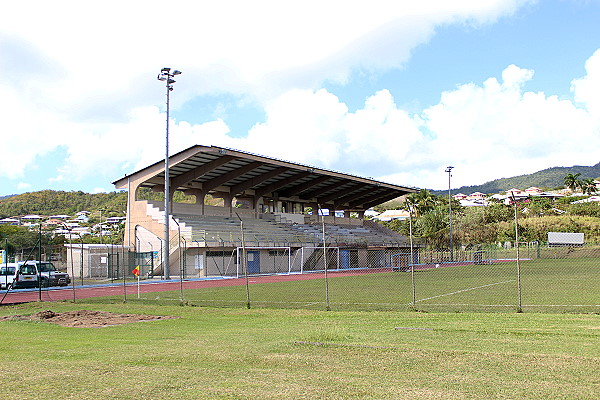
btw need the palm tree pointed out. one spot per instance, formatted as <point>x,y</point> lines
<point>572,181</point>
<point>421,202</point>
<point>588,186</point>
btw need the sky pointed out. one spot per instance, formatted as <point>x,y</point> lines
<point>392,90</point>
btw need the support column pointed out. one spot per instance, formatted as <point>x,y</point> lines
<point>227,199</point>
<point>200,195</point>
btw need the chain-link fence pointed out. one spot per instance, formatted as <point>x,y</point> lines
<point>500,277</point>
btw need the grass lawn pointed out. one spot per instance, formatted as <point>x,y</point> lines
<point>226,353</point>
<point>547,285</point>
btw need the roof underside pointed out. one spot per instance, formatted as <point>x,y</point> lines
<point>218,171</point>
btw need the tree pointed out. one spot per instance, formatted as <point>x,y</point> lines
<point>474,226</point>
<point>572,181</point>
<point>433,226</point>
<point>588,186</point>
<point>421,202</point>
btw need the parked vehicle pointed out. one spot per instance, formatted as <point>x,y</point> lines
<point>7,275</point>
<point>49,275</point>
<point>19,275</point>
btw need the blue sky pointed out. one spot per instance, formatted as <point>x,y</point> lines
<point>389,90</point>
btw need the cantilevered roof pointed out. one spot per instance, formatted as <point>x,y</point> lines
<point>217,170</point>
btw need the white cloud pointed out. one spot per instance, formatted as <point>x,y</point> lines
<point>81,77</point>
<point>485,131</point>
<point>498,130</point>
<point>84,56</point>
<point>587,89</point>
<point>23,185</point>
<point>56,179</point>
<point>302,126</point>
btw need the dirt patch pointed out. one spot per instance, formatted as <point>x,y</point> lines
<point>85,318</point>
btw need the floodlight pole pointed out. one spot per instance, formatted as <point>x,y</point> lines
<point>166,74</point>
<point>449,171</point>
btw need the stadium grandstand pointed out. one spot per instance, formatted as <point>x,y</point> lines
<point>287,217</point>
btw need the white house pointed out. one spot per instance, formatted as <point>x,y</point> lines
<point>389,215</point>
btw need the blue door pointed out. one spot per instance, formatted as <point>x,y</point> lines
<point>345,258</point>
<point>253,262</point>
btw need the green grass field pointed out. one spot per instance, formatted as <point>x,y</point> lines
<point>547,285</point>
<point>236,353</point>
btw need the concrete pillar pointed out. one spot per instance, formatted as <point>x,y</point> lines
<point>227,199</point>
<point>199,194</point>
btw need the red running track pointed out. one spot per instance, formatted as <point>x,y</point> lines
<point>131,289</point>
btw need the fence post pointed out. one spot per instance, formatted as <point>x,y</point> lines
<point>327,307</point>
<point>520,307</point>
<point>412,259</point>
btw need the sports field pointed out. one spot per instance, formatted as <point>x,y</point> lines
<point>547,285</point>
<point>236,353</point>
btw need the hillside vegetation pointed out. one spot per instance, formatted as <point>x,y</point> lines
<point>495,223</point>
<point>51,202</point>
<point>549,178</point>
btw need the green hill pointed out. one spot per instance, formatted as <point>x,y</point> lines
<point>549,178</point>
<point>50,202</point>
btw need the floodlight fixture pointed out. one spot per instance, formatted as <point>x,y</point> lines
<point>176,72</point>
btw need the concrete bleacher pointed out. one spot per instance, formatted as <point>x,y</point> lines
<point>207,231</point>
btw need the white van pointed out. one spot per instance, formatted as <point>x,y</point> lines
<point>7,274</point>
<point>19,275</point>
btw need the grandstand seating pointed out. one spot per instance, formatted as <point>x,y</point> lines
<point>207,231</point>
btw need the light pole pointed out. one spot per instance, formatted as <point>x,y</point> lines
<point>449,171</point>
<point>167,75</point>
<point>101,225</point>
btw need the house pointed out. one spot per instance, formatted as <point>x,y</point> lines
<point>473,203</point>
<point>53,221</point>
<point>82,216</point>
<point>515,192</point>
<point>476,196</point>
<point>371,213</point>
<point>533,190</point>
<point>115,220</point>
<point>588,200</point>
<point>389,215</point>
<point>60,216</point>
